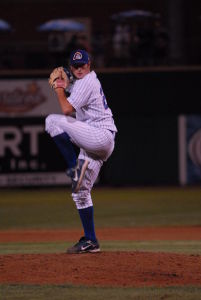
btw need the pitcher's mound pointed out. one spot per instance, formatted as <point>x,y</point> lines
<point>126,269</point>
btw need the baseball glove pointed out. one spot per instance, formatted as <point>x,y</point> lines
<point>60,78</point>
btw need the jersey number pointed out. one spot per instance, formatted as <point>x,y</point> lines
<point>103,98</point>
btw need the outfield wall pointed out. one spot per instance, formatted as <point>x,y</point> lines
<point>146,106</point>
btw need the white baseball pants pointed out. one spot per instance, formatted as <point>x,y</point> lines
<point>96,145</point>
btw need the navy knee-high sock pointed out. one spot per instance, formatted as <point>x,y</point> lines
<point>87,218</point>
<point>66,148</point>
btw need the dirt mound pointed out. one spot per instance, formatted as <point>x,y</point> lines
<point>127,269</point>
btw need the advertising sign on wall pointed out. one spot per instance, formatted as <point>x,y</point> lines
<point>27,154</point>
<point>190,149</point>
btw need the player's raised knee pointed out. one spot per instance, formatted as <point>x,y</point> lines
<point>48,123</point>
<point>51,124</point>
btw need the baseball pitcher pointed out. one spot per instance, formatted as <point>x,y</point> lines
<point>87,122</point>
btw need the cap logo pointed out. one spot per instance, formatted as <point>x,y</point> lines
<point>77,55</point>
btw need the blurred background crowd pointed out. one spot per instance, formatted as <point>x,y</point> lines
<point>129,33</point>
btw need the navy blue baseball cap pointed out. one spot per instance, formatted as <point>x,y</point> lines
<point>79,57</point>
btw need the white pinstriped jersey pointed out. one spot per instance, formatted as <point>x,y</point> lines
<point>90,131</point>
<point>88,99</point>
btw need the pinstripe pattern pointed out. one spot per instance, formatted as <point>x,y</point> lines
<point>90,131</point>
<point>97,142</point>
<point>83,197</point>
<point>90,104</point>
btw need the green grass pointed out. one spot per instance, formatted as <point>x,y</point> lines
<point>187,247</point>
<point>54,208</point>
<point>65,292</point>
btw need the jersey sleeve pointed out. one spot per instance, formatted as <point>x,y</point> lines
<point>80,93</point>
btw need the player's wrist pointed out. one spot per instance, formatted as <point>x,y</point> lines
<point>59,91</point>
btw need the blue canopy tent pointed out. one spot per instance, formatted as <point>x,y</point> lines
<point>134,15</point>
<point>5,26</point>
<point>61,25</point>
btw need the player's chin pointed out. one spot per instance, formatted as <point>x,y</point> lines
<point>80,76</point>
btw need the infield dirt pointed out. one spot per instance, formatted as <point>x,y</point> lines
<point>119,268</point>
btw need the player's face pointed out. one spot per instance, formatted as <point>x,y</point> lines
<point>79,71</point>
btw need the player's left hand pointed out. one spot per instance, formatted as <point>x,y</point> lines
<point>59,78</point>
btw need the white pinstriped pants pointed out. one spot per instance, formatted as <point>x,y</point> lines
<point>96,145</point>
